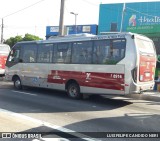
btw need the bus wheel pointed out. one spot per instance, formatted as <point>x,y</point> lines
<point>73,91</point>
<point>17,83</point>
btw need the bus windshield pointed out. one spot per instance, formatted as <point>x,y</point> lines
<point>145,46</point>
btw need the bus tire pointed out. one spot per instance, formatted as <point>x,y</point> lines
<point>17,83</point>
<point>73,91</point>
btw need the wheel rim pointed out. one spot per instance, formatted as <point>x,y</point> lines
<point>17,83</point>
<point>73,91</point>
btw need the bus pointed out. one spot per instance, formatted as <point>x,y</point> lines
<point>4,51</point>
<point>82,64</point>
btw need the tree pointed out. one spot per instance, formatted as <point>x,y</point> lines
<point>13,40</point>
<point>28,37</point>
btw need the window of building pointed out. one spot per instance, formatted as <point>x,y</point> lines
<point>114,27</point>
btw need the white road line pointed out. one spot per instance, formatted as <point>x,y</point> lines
<point>24,93</point>
<point>47,124</point>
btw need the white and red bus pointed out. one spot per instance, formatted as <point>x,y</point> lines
<point>4,51</point>
<point>121,63</point>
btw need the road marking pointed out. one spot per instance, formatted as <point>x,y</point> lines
<point>24,93</point>
<point>47,124</point>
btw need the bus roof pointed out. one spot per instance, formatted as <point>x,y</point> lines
<point>81,37</point>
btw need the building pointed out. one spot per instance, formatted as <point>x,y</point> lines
<point>139,17</point>
<point>71,29</point>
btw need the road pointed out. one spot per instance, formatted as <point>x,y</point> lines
<point>95,114</point>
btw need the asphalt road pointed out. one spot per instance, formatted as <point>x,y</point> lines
<point>96,114</point>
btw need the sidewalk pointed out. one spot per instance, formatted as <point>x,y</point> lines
<point>20,127</point>
<point>11,123</point>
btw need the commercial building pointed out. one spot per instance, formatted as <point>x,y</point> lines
<point>139,17</point>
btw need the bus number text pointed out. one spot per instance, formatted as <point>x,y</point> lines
<point>116,76</point>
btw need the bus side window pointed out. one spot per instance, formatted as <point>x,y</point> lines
<point>63,53</point>
<point>119,49</point>
<point>114,51</point>
<point>45,52</point>
<point>75,54</point>
<point>82,52</point>
<point>29,53</point>
<point>101,51</point>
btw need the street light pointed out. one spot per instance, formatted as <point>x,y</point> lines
<point>75,14</point>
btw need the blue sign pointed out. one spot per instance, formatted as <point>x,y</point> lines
<point>71,29</point>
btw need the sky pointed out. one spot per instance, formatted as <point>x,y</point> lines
<point>32,16</point>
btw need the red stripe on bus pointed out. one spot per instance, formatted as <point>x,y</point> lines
<point>112,81</point>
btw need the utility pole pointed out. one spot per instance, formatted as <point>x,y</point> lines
<point>2,31</point>
<point>123,12</point>
<point>61,20</point>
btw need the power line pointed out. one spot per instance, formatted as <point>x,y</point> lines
<point>140,12</point>
<point>86,1</point>
<point>2,26</point>
<point>23,9</point>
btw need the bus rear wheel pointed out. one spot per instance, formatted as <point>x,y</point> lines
<point>17,83</point>
<point>73,91</point>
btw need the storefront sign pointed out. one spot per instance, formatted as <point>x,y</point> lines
<point>144,29</point>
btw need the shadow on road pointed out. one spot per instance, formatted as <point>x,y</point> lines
<point>50,101</point>
<point>99,127</point>
<point>132,122</point>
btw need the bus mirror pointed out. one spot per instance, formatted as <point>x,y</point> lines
<point>132,36</point>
